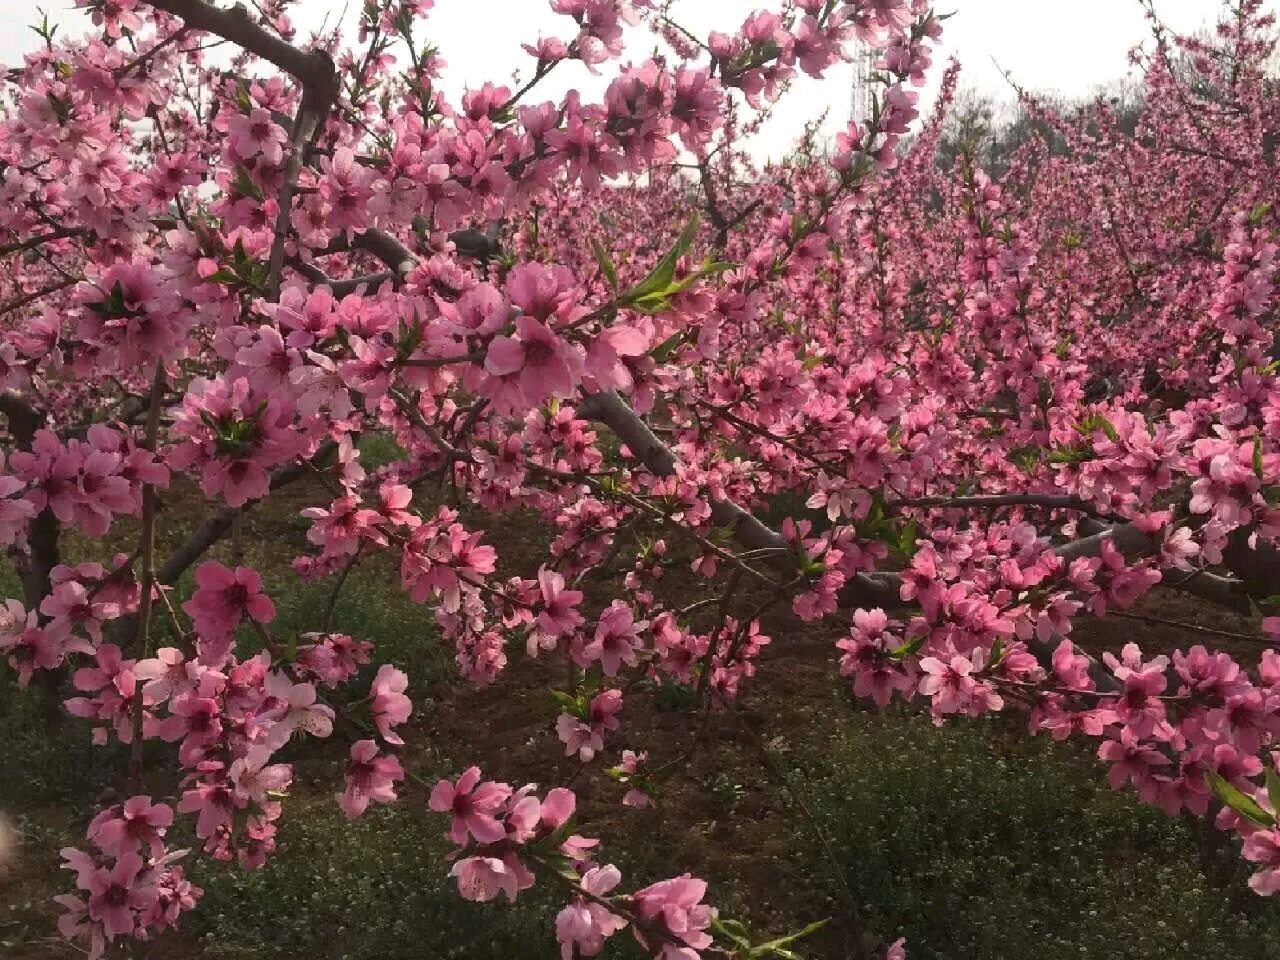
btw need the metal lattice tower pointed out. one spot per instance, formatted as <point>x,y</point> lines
<point>860,94</point>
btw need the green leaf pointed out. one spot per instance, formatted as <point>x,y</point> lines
<point>575,706</point>
<point>223,276</point>
<point>908,539</point>
<point>245,186</point>
<point>606,264</point>
<point>1257,456</point>
<point>776,948</point>
<point>1026,458</point>
<point>813,568</point>
<point>1273,787</point>
<point>907,649</point>
<point>563,866</point>
<point>563,833</point>
<point>1237,800</point>
<point>732,930</point>
<point>663,351</point>
<point>1095,422</point>
<point>660,277</point>
<point>1070,455</point>
<point>997,652</point>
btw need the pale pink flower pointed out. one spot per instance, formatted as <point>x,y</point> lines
<point>168,674</point>
<point>676,905</point>
<point>950,684</point>
<point>617,634</point>
<point>117,894</point>
<point>584,925</point>
<point>257,135</point>
<point>1263,847</point>
<point>224,597</point>
<point>296,709</point>
<point>547,365</point>
<point>388,703</point>
<point>483,878</point>
<point>256,778</point>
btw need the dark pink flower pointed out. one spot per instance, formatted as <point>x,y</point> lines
<point>370,779</point>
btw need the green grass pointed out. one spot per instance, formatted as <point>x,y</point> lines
<point>379,449</point>
<point>376,888</point>
<point>371,607</point>
<point>972,851</point>
<point>995,854</point>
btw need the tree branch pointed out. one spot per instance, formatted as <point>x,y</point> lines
<point>880,589</point>
<point>991,501</point>
<point>314,69</point>
<point>304,127</point>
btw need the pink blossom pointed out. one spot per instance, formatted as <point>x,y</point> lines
<point>676,905</point>
<point>587,738</point>
<point>167,674</point>
<point>584,925</point>
<point>120,829</point>
<point>295,708</point>
<point>950,684</point>
<point>633,765</point>
<point>546,364</point>
<point>370,779</point>
<point>117,893</point>
<point>616,636</point>
<point>257,135</point>
<point>473,805</point>
<point>483,878</point>
<point>389,705</point>
<point>224,597</point>
<point>215,804</point>
<point>559,615</point>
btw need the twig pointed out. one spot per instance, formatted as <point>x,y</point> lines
<point>337,588</point>
<point>147,550</point>
<point>1181,625</point>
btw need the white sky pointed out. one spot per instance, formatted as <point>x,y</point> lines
<point>1068,46</point>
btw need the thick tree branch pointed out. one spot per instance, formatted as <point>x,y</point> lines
<point>881,589</point>
<point>36,241</point>
<point>304,128</point>
<point>382,245</point>
<point>314,69</point>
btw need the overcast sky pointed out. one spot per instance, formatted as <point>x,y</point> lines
<point>1070,46</point>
